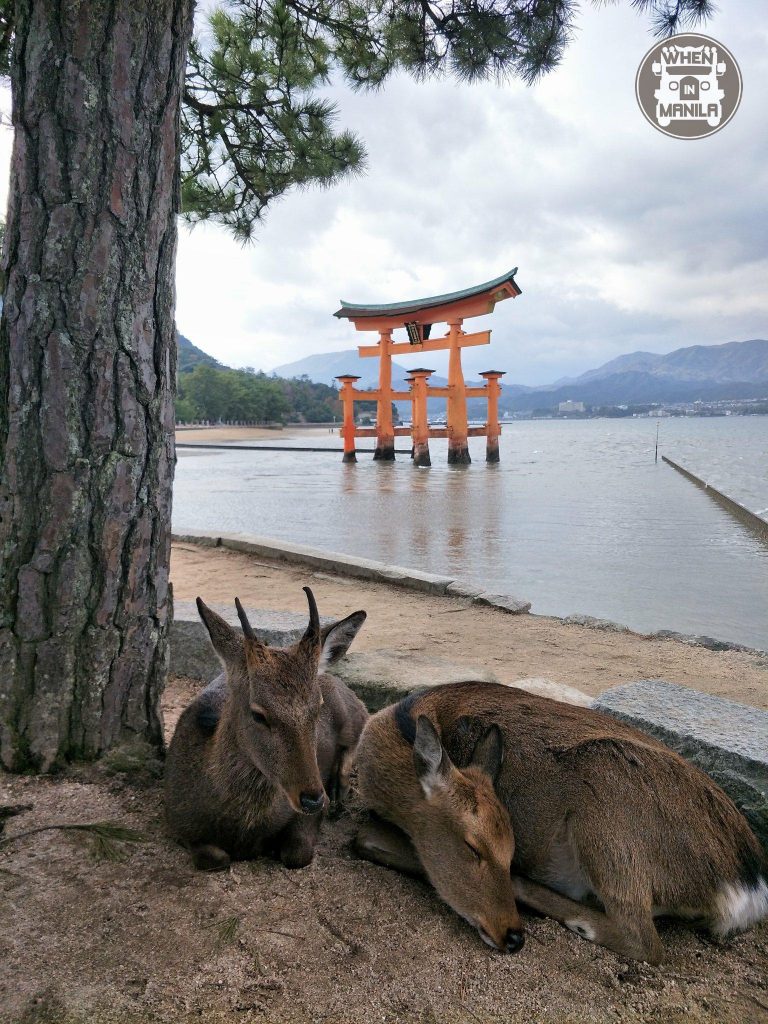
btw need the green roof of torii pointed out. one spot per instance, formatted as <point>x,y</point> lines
<point>352,309</point>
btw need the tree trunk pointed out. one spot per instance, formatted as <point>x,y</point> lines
<point>87,372</point>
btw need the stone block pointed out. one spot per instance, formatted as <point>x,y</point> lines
<point>697,640</point>
<point>504,602</point>
<point>464,589</point>
<point>203,538</point>
<point>593,623</point>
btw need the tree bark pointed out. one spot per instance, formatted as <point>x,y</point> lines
<point>87,376</point>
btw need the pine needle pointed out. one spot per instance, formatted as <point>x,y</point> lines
<point>105,836</point>
<point>226,930</point>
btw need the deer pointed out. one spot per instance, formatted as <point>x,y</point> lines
<point>501,797</point>
<point>258,754</point>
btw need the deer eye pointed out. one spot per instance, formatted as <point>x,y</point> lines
<point>260,718</point>
<point>475,852</point>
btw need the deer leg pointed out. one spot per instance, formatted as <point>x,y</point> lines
<point>338,786</point>
<point>629,935</point>
<point>386,844</point>
<point>209,857</point>
<point>296,843</point>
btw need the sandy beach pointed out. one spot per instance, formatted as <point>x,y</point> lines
<point>224,434</point>
<point>513,647</point>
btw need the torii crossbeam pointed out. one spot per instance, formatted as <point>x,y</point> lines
<point>417,317</point>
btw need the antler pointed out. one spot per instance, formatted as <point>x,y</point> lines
<point>312,634</point>
<point>247,627</point>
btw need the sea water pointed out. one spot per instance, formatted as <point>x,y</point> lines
<point>577,517</point>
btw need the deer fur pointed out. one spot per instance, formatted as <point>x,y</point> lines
<point>608,827</point>
<point>255,755</point>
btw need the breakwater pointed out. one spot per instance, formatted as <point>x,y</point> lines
<point>741,512</point>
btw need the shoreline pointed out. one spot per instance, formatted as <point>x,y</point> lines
<point>430,621</point>
<point>222,433</point>
<point>415,579</point>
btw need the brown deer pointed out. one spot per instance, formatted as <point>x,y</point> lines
<point>254,755</point>
<point>592,822</point>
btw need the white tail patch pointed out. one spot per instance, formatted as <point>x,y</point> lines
<point>738,906</point>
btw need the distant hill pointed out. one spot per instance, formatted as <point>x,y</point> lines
<point>706,373</point>
<point>325,366</point>
<point>190,356</point>
<point>735,361</point>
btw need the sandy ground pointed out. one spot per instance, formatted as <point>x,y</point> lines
<point>146,939</point>
<point>512,646</point>
<point>225,434</point>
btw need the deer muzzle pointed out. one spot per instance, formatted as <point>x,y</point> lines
<point>312,803</point>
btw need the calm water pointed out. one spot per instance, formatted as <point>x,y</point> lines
<point>576,518</point>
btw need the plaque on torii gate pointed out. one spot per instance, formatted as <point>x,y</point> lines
<point>418,317</point>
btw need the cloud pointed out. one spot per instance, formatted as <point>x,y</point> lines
<point>624,238</point>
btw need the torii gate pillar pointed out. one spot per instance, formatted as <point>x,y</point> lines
<point>385,433</point>
<point>419,380</point>
<point>493,378</point>
<point>348,382</point>
<point>458,449</point>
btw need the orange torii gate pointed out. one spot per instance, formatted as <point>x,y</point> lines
<point>418,317</point>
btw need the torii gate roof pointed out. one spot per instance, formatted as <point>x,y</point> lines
<point>469,302</point>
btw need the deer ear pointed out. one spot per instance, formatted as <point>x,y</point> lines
<point>337,638</point>
<point>226,640</point>
<point>489,752</point>
<point>430,758</point>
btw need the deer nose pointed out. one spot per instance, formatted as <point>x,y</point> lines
<point>311,803</point>
<point>513,941</point>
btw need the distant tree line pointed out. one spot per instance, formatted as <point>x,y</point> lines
<point>213,395</point>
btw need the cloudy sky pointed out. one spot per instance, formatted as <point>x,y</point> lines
<point>624,238</point>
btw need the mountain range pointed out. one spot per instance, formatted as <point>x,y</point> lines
<point>734,370</point>
<point>735,361</point>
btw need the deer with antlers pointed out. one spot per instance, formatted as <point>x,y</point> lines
<point>255,755</point>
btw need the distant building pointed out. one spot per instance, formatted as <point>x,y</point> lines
<point>570,406</point>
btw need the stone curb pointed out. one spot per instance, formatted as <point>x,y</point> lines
<point>348,565</point>
<point>690,639</point>
<point>725,739</point>
<point>363,568</point>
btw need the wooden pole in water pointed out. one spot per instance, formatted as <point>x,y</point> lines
<point>492,428</point>
<point>458,449</point>
<point>412,389</point>
<point>656,456</point>
<point>347,382</point>
<point>385,431</point>
<point>420,427</point>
